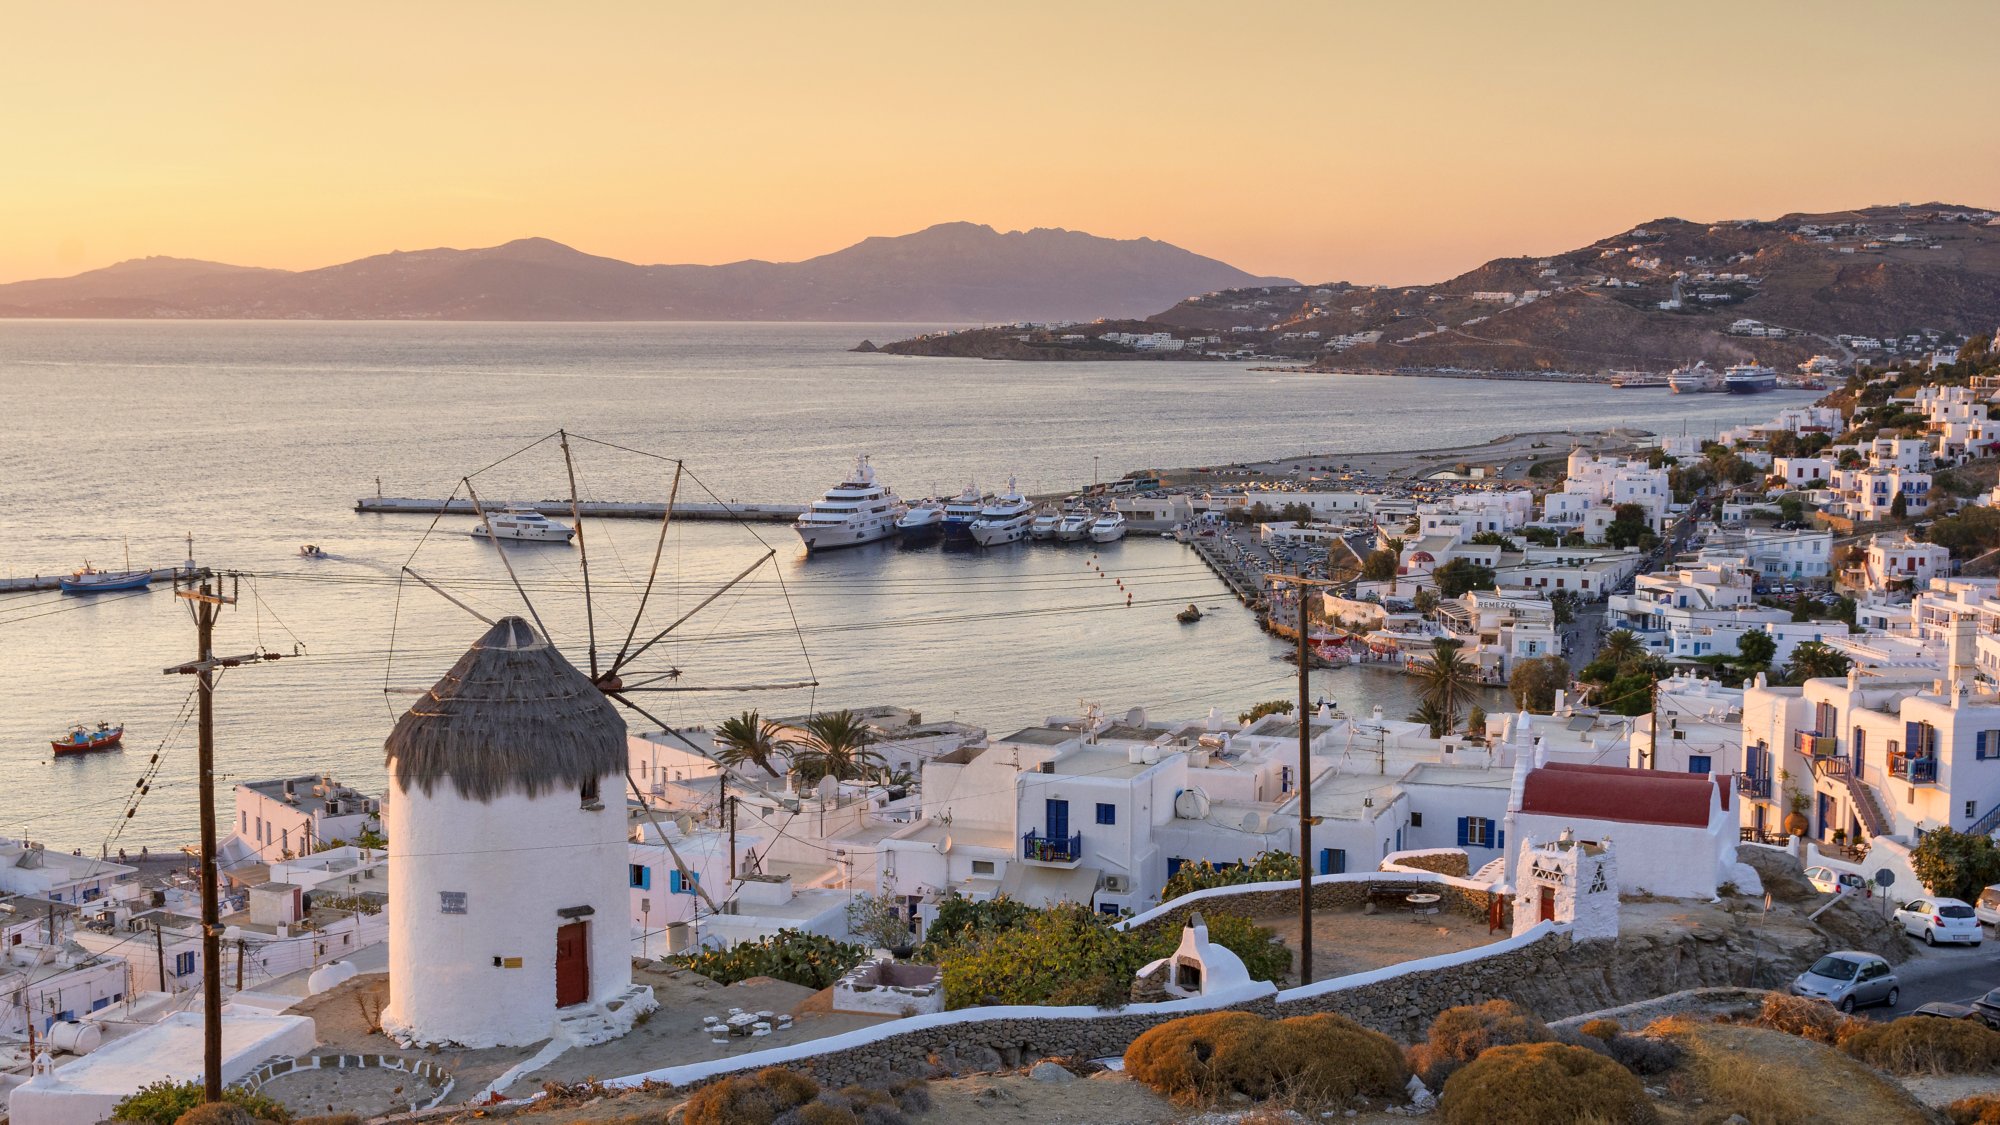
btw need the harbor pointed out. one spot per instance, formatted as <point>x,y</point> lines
<point>602,509</point>
<point>36,582</point>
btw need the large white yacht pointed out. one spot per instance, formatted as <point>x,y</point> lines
<point>1004,519</point>
<point>524,525</point>
<point>1109,527</point>
<point>853,512</point>
<point>960,511</point>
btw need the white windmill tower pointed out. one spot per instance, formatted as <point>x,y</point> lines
<point>508,823</point>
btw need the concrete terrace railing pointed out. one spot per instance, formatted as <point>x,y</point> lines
<point>1467,896</point>
<point>1398,999</point>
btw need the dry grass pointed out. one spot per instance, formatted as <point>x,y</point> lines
<point>1606,1030</point>
<point>1979,1109</point>
<point>1543,1084</point>
<point>1927,1045</point>
<point>1772,1078</point>
<point>1754,1090</point>
<point>1316,1059</point>
<point>1807,1019</point>
<point>752,1099</point>
<point>1459,1035</point>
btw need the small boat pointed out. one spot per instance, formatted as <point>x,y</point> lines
<point>82,738</point>
<point>87,579</point>
<point>523,525</point>
<point>1075,524</point>
<point>1044,525</point>
<point>1190,615</point>
<point>923,522</point>
<point>1109,527</point>
<point>311,551</point>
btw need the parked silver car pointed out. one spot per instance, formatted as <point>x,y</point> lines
<point>1849,979</point>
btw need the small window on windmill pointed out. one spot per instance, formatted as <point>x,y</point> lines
<point>589,793</point>
<point>451,902</point>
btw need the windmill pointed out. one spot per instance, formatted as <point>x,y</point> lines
<point>637,668</point>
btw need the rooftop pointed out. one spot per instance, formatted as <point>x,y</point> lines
<point>1619,794</point>
<point>1478,777</point>
<point>1100,763</point>
<point>1042,736</point>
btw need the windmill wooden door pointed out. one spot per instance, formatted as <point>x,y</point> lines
<point>572,964</point>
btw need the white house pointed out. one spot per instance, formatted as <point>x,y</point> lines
<point>1895,562</point>
<point>29,868</point>
<point>1676,833</point>
<point>290,816</point>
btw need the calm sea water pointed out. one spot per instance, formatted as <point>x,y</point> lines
<point>257,437</point>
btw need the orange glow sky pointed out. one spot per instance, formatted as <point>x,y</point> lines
<point>1323,140</point>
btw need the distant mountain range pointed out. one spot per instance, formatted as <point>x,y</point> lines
<point>952,272</point>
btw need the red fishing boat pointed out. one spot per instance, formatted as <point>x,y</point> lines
<point>82,738</point>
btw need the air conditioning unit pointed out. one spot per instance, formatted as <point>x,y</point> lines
<point>1116,884</point>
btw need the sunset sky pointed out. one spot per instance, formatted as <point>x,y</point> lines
<point>1322,140</point>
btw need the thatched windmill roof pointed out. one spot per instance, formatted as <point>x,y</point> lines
<point>511,716</point>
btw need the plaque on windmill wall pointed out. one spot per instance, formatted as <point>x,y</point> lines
<point>451,902</point>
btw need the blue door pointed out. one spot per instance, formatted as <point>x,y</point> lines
<point>1698,763</point>
<point>1057,814</point>
<point>1825,815</point>
<point>1333,861</point>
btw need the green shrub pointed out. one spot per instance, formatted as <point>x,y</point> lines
<point>165,1102</point>
<point>1543,1084</point>
<point>790,955</point>
<point>960,919</point>
<point>1459,1035</point>
<point>1927,1045</point>
<point>1268,867</point>
<point>750,1099</point>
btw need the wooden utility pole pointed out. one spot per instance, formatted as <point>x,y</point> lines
<point>160,953</point>
<point>732,838</point>
<point>205,602</point>
<point>1304,586</point>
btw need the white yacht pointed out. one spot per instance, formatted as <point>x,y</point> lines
<point>1075,524</point>
<point>1004,519</point>
<point>1044,524</point>
<point>924,520</point>
<point>1698,378</point>
<point>525,525</point>
<point>1109,527</point>
<point>960,511</point>
<point>853,512</point>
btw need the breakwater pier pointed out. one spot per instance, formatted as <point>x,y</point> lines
<point>603,509</point>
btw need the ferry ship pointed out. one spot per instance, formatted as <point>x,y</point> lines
<point>960,511</point>
<point>1636,380</point>
<point>853,512</point>
<point>1698,378</point>
<point>1749,379</point>
<point>1005,519</point>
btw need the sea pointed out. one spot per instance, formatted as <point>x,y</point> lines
<point>129,438</point>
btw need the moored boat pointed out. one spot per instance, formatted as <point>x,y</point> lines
<point>1109,527</point>
<point>853,512</point>
<point>521,525</point>
<point>1044,525</point>
<point>1749,379</point>
<point>923,522</point>
<point>961,511</point>
<point>81,738</point>
<point>1005,519</point>
<point>1696,378</point>
<point>89,580</point>
<point>1075,524</point>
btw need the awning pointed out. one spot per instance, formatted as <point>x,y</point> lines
<point>1045,886</point>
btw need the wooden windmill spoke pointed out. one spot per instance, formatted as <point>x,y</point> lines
<point>576,515</point>
<point>442,593</point>
<point>627,658</point>
<point>786,686</point>
<point>659,547</point>
<point>619,698</point>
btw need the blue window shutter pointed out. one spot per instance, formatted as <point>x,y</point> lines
<point>1913,739</point>
<point>1464,831</point>
<point>674,882</point>
<point>1500,839</point>
<point>645,878</point>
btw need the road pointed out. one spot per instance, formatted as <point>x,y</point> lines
<point>1955,973</point>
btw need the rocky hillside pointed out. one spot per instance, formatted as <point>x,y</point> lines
<point>953,272</point>
<point>1876,282</point>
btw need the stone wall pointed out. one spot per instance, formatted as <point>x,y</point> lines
<point>435,1074</point>
<point>1329,892</point>
<point>1442,861</point>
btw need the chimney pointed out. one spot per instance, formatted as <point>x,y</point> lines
<point>1963,644</point>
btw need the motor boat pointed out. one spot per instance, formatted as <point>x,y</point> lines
<point>311,551</point>
<point>1075,524</point>
<point>1109,527</point>
<point>87,579</point>
<point>81,738</point>
<point>522,525</point>
<point>1004,519</point>
<point>1044,525</point>
<point>962,510</point>
<point>923,522</point>
<point>857,510</point>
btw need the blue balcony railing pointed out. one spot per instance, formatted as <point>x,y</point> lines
<point>1919,771</point>
<point>1052,849</point>
<point>1752,785</point>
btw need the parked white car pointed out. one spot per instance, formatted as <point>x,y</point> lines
<point>1828,881</point>
<point>1940,919</point>
<point>1987,909</point>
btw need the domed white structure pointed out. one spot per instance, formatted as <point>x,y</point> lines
<point>508,896</point>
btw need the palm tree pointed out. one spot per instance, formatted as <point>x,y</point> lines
<point>1430,715</point>
<point>1813,660</point>
<point>1621,646</point>
<point>834,744</point>
<point>750,739</point>
<point>1449,683</point>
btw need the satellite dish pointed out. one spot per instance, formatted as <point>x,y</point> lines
<point>944,846</point>
<point>1884,877</point>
